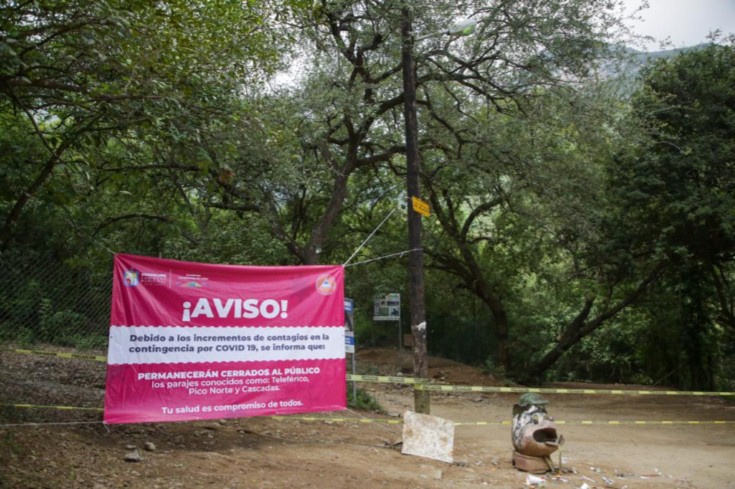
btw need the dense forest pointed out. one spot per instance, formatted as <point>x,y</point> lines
<point>582,213</point>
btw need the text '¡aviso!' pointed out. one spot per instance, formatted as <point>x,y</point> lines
<point>235,308</point>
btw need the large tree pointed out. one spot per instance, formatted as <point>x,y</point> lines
<point>677,194</point>
<point>344,111</point>
<point>82,72</point>
<point>518,49</point>
<point>518,211</point>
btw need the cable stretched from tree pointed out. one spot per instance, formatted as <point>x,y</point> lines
<point>368,238</point>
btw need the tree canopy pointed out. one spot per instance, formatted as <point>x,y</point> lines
<point>675,191</point>
<point>573,227</point>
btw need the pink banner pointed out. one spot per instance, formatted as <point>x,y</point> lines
<point>200,341</point>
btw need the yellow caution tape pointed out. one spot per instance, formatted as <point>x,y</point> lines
<point>423,384</point>
<point>540,390</point>
<point>608,423</point>
<point>61,408</point>
<point>384,379</point>
<point>81,356</point>
<point>400,421</point>
<point>482,423</point>
<point>501,423</point>
<point>339,420</point>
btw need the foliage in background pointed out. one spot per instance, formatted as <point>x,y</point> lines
<point>565,242</point>
<point>45,300</point>
<point>675,193</point>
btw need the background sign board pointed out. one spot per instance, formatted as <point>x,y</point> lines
<point>349,326</point>
<point>387,308</point>
<point>349,315</point>
<point>349,342</point>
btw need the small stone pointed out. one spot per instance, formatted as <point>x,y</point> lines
<point>133,456</point>
<point>150,446</point>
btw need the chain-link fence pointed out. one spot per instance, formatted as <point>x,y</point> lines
<point>49,301</point>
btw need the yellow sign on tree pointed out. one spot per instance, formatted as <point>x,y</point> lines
<point>420,206</point>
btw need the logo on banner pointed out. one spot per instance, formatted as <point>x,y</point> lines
<point>193,284</point>
<point>192,281</point>
<point>131,278</point>
<point>326,285</point>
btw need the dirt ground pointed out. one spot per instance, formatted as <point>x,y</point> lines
<point>295,453</point>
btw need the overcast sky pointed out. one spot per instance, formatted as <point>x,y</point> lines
<point>685,22</point>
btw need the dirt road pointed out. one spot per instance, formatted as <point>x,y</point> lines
<point>295,453</point>
<point>657,455</point>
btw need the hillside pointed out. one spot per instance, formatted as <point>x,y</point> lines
<point>624,63</point>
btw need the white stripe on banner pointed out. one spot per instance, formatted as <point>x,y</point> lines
<point>179,344</point>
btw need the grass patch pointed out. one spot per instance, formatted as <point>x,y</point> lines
<point>362,400</point>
